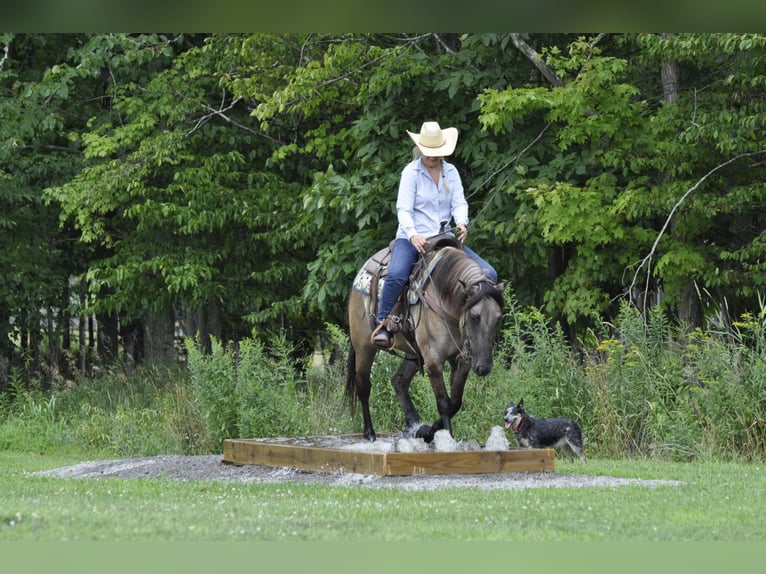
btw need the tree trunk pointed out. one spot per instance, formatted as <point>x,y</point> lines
<point>132,335</point>
<point>159,337</point>
<point>201,323</point>
<point>107,337</point>
<point>689,309</point>
<point>207,322</point>
<point>83,346</point>
<point>536,60</point>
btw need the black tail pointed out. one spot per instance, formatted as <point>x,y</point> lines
<point>351,390</point>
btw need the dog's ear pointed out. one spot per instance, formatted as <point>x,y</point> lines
<point>521,403</point>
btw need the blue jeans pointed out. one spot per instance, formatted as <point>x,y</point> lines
<point>403,257</point>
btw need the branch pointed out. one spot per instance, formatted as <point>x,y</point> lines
<point>220,112</point>
<point>443,44</point>
<point>49,148</point>
<point>648,259</point>
<point>515,160</point>
<point>536,59</point>
<point>5,56</point>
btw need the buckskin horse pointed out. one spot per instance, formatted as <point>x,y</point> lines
<point>454,312</point>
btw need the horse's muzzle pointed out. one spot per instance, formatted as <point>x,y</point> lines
<point>482,369</point>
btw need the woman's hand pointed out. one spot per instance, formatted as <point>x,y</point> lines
<point>419,242</point>
<point>462,232</point>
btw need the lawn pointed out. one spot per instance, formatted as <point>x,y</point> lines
<point>717,502</point>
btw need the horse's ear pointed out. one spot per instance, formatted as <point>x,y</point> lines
<point>466,290</point>
<point>501,286</point>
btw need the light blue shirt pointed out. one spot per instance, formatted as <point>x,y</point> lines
<point>421,205</point>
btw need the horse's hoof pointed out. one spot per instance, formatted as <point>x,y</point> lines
<point>370,436</point>
<point>412,430</point>
<point>425,432</point>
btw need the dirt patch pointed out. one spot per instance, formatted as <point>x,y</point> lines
<point>212,467</point>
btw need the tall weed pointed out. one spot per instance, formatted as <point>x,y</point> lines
<point>113,414</point>
<point>637,382</point>
<point>214,383</point>
<point>640,387</point>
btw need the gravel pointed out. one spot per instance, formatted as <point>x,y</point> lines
<point>212,467</point>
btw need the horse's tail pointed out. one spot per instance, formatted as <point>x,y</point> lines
<point>351,394</point>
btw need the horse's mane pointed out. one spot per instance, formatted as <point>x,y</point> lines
<point>454,277</point>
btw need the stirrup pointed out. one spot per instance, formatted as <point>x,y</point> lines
<point>390,340</point>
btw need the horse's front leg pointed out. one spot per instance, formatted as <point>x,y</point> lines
<point>448,405</point>
<point>458,377</point>
<point>443,403</point>
<point>401,383</point>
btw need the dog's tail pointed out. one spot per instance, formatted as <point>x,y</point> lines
<point>351,392</point>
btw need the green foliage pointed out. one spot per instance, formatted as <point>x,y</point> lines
<point>214,379</point>
<point>254,391</point>
<point>254,173</point>
<point>174,164</point>
<point>616,156</point>
<point>638,389</point>
<point>258,390</point>
<point>152,411</point>
<point>265,390</point>
<point>642,391</point>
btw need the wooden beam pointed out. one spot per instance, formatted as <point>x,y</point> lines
<point>282,453</point>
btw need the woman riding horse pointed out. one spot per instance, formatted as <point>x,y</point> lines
<point>430,194</point>
<point>455,321</point>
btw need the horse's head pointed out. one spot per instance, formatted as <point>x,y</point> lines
<point>483,310</point>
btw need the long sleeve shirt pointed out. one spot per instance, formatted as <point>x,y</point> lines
<point>421,205</point>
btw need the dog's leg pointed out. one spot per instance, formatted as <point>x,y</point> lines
<point>576,449</point>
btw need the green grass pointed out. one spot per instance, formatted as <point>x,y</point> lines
<point>718,501</point>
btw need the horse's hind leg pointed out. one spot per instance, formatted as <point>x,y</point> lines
<point>364,360</point>
<point>401,383</point>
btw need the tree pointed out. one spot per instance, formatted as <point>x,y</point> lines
<point>37,258</point>
<point>623,157</point>
<point>231,182</point>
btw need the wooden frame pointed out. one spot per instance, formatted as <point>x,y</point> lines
<point>309,454</point>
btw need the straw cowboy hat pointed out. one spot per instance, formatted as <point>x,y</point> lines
<point>432,141</point>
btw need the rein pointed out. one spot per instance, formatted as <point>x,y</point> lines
<point>436,305</point>
<point>449,320</point>
<point>439,309</point>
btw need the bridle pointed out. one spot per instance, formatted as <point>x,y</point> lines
<point>449,321</point>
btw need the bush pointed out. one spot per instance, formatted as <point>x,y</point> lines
<point>639,388</point>
<point>146,413</point>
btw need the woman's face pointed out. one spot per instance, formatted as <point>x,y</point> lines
<point>431,161</point>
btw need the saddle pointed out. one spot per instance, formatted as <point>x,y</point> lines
<point>377,266</point>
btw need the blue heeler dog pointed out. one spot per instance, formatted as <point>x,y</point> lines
<point>532,432</point>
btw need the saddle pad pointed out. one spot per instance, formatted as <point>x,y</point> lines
<point>363,279</point>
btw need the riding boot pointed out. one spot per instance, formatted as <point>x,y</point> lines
<point>381,338</point>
